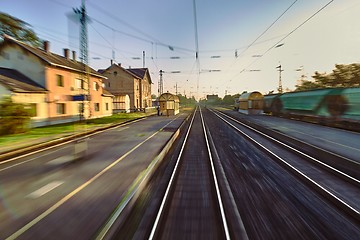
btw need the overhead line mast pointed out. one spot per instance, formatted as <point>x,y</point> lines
<point>196,45</point>
<point>85,75</point>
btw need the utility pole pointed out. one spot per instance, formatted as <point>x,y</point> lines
<point>280,89</point>
<point>160,90</point>
<point>81,146</point>
<point>85,75</point>
<point>143,59</point>
<point>176,89</point>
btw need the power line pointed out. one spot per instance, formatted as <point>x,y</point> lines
<point>196,45</point>
<point>308,19</point>
<point>286,36</point>
<point>153,40</point>
<point>98,8</point>
<point>262,34</point>
<point>268,28</point>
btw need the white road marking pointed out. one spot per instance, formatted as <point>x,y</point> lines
<point>45,189</point>
<point>121,129</point>
<point>74,192</point>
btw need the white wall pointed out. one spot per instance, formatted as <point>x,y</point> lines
<point>27,64</point>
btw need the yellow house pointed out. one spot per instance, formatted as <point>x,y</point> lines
<point>73,91</point>
<point>23,90</point>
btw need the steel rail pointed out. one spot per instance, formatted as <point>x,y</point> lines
<point>225,225</point>
<point>152,233</point>
<point>346,206</point>
<point>170,184</point>
<point>337,171</point>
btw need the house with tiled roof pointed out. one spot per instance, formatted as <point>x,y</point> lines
<point>72,90</point>
<point>134,82</point>
<point>23,90</point>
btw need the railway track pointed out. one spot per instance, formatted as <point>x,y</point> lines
<point>192,207</point>
<point>337,186</point>
<point>225,180</point>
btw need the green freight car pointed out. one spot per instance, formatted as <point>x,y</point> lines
<point>330,106</point>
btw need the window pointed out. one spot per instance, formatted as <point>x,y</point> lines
<point>59,80</point>
<point>79,83</point>
<point>95,86</point>
<point>96,107</point>
<point>107,106</point>
<point>60,108</point>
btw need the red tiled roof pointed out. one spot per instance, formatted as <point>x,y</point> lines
<point>52,58</point>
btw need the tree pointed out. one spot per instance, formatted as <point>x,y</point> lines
<point>307,85</point>
<point>342,76</point>
<point>18,29</point>
<point>184,101</point>
<point>228,100</point>
<point>14,117</point>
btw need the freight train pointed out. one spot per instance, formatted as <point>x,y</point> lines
<point>337,107</point>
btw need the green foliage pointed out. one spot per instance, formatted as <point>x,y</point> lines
<point>18,29</point>
<point>14,117</point>
<point>342,76</point>
<point>184,101</point>
<point>228,100</point>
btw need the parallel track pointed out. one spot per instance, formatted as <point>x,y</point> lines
<point>338,187</point>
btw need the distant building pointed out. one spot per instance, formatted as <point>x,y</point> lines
<point>65,95</point>
<point>134,82</point>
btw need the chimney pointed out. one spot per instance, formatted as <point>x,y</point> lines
<point>111,62</point>
<point>119,64</point>
<point>46,46</point>
<point>74,55</point>
<point>66,53</point>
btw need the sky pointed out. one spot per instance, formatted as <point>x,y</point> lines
<point>239,43</point>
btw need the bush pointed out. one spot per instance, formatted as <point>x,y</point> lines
<point>14,118</point>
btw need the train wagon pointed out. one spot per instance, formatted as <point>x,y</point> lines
<point>352,98</point>
<point>337,107</point>
<point>272,104</point>
<point>251,103</point>
<point>321,102</point>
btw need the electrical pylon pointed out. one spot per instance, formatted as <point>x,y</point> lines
<point>85,74</point>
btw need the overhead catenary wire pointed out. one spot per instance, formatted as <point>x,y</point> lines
<point>286,36</point>
<point>266,30</point>
<point>299,26</point>
<point>272,24</point>
<point>163,55</point>
<point>196,45</point>
<point>148,38</point>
